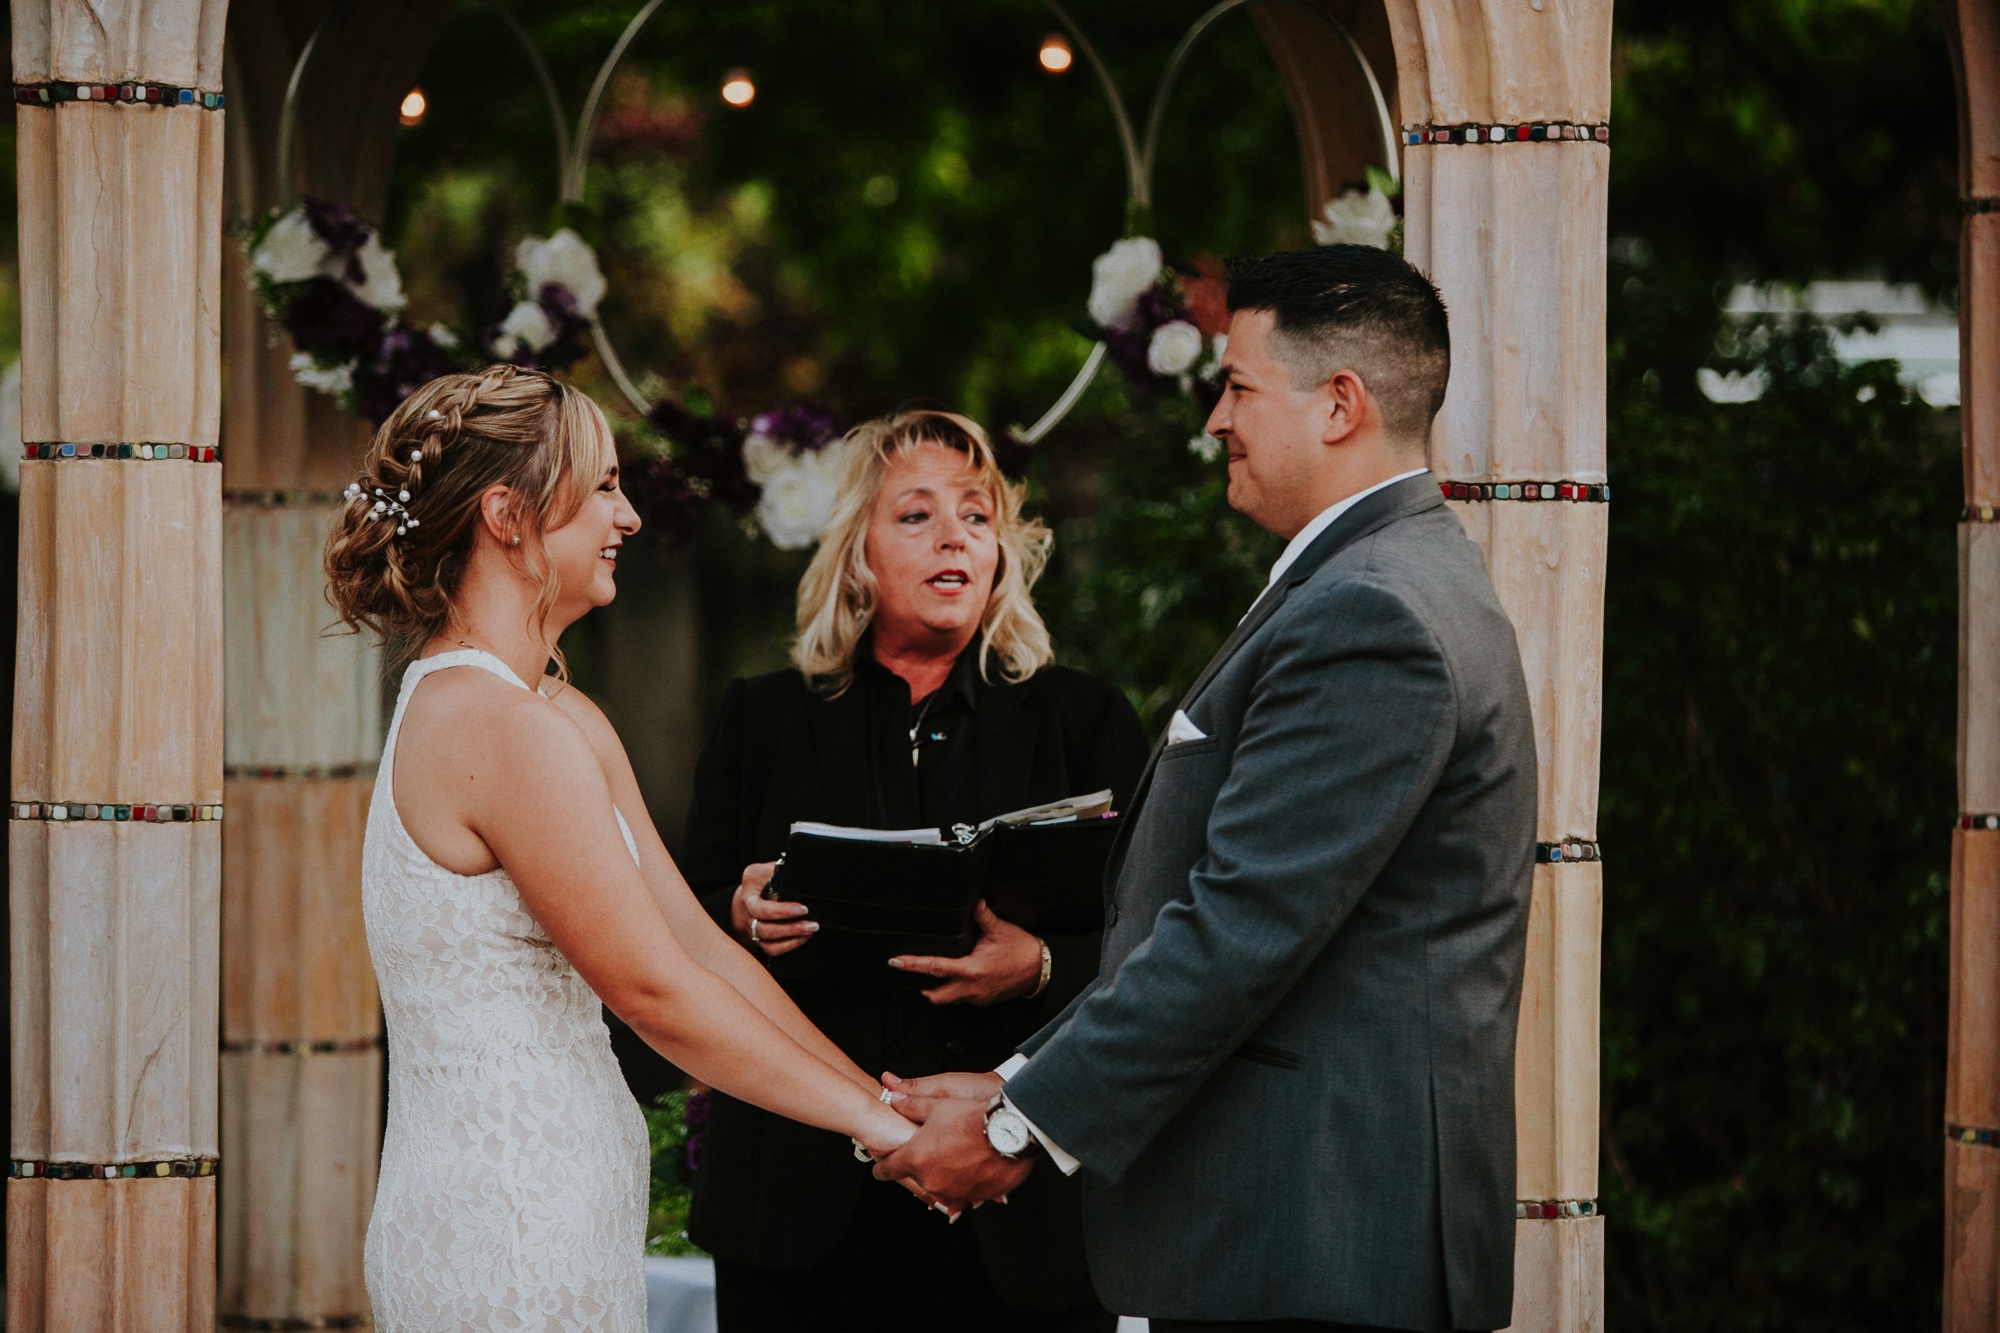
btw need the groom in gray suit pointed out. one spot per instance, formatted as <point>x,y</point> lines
<point>1291,1088</point>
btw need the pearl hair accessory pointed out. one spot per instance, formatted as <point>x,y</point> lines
<point>384,507</point>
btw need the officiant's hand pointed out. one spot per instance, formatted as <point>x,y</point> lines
<point>949,1157</point>
<point>1006,963</point>
<point>778,927</point>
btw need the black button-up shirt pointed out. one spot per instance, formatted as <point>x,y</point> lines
<point>923,754</point>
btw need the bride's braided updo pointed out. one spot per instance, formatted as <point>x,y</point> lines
<point>400,543</point>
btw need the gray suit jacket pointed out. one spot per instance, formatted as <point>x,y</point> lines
<point>1292,1084</point>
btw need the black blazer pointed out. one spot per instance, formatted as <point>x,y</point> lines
<point>777,1194</point>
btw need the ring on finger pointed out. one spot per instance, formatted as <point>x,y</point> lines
<point>754,923</point>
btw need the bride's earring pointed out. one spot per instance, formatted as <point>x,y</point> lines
<point>517,539</point>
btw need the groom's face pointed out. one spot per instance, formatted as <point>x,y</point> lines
<point>1273,431</point>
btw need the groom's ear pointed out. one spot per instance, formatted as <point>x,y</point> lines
<point>1350,408</point>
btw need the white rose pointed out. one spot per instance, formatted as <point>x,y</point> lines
<point>1120,276</point>
<point>1205,447</point>
<point>1176,346</point>
<point>799,499</point>
<point>1357,218</point>
<point>764,457</point>
<point>526,327</point>
<point>381,286</point>
<point>567,260</point>
<point>310,373</point>
<point>1218,348</point>
<point>291,250</point>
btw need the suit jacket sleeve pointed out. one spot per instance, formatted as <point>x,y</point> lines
<point>718,819</point>
<point>1347,729</point>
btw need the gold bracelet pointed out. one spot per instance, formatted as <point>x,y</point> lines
<point>1048,970</point>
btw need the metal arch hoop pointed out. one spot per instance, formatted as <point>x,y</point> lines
<point>574,154</point>
<point>288,114</point>
<point>1139,155</point>
<point>1200,27</point>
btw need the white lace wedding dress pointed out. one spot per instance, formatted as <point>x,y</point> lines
<point>514,1172</point>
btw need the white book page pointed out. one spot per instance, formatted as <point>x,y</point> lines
<point>928,836</point>
<point>1056,812</point>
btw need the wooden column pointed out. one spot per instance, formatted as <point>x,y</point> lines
<point>1509,220</point>
<point>301,1063</point>
<point>117,759</point>
<point>1972,1080</point>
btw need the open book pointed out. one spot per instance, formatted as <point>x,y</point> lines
<point>877,893</point>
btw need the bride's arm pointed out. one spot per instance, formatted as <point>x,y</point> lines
<point>704,941</point>
<point>539,799</point>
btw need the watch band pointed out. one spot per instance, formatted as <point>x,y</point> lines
<point>1048,969</point>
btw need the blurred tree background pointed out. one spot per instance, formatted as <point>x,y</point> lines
<point>907,213</point>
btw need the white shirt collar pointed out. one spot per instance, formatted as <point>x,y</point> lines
<point>1325,519</point>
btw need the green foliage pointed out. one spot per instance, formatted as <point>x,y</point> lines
<point>1778,784</point>
<point>908,210</point>
<point>673,1179</point>
<point>1790,139</point>
<point>1153,568</point>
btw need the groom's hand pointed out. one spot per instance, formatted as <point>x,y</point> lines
<point>979,1087</point>
<point>949,1158</point>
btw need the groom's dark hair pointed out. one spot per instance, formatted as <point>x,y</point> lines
<point>1354,307</point>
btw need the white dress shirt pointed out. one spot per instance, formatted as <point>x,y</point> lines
<point>1015,1063</point>
<point>1325,519</point>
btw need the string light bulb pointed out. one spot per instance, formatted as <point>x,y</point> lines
<point>414,106</point>
<point>1055,54</point>
<point>737,89</point>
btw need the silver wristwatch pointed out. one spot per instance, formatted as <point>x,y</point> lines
<point>1007,1130</point>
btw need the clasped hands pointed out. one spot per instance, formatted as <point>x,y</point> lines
<point>949,1160</point>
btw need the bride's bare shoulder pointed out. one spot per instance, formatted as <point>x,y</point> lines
<point>471,717</point>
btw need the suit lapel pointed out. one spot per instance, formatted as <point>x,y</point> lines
<point>1372,513</point>
<point>1408,497</point>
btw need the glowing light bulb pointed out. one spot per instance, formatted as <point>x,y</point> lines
<point>737,89</point>
<point>414,106</point>
<point>1055,54</point>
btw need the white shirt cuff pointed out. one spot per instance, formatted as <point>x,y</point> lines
<point>1011,1066</point>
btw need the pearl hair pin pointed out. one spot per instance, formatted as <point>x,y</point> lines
<point>393,509</point>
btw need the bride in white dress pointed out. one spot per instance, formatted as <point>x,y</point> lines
<point>511,881</point>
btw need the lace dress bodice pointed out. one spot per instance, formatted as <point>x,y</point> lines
<point>512,1194</point>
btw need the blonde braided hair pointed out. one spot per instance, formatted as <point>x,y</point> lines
<point>443,447</point>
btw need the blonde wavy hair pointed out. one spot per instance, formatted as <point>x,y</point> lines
<point>837,594</point>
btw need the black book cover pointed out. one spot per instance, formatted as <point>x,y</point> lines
<point>876,900</point>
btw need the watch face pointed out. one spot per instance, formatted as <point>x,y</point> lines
<point>1008,1133</point>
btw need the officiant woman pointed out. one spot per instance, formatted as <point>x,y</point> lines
<point>923,694</point>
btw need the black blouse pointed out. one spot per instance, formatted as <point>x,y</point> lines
<point>777,1194</point>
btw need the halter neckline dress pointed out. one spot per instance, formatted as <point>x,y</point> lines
<point>515,1168</point>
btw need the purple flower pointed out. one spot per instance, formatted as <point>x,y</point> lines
<point>343,233</point>
<point>328,321</point>
<point>405,361</point>
<point>803,426</point>
<point>694,1152</point>
<point>1127,343</point>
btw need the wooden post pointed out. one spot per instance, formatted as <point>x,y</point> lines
<point>301,1064</point>
<point>1506,161</point>
<point>1972,1077</point>
<point>117,758</point>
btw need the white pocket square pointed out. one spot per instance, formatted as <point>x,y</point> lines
<point>1183,729</point>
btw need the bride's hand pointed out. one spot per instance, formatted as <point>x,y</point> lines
<point>884,1130</point>
<point>778,925</point>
